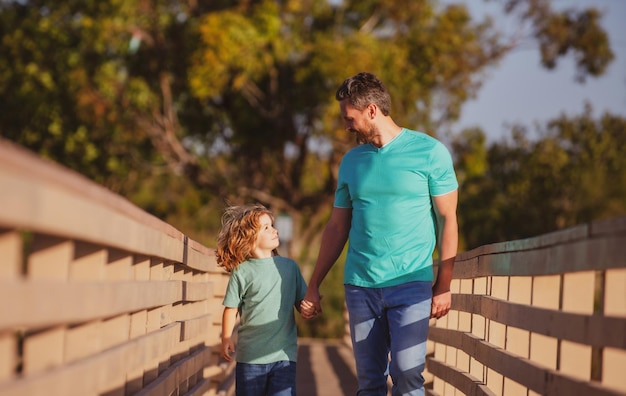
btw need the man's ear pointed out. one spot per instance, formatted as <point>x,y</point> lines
<point>371,110</point>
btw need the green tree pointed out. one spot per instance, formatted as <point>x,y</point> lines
<point>572,174</point>
<point>596,167</point>
<point>98,86</point>
<point>269,69</point>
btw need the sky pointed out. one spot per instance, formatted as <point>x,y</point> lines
<point>520,91</point>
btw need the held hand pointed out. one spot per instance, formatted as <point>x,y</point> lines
<point>310,306</point>
<point>307,309</point>
<point>227,348</point>
<point>440,305</point>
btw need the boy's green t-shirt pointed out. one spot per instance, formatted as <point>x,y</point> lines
<point>390,190</point>
<point>265,291</point>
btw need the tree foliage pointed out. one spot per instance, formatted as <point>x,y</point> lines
<point>575,172</point>
<point>570,31</point>
<point>97,86</point>
<point>186,106</point>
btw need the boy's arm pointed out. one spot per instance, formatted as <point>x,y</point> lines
<point>229,317</point>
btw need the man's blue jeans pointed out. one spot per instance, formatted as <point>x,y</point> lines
<point>389,327</point>
<point>273,379</point>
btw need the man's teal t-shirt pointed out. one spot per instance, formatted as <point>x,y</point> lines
<point>265,291</point>
<point>390,190</point>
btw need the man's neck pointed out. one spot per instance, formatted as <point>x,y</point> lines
<point>387,133</point>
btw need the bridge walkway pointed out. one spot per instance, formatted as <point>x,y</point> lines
<point>325,368</point>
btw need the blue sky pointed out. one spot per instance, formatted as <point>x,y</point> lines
<point>520,91</point>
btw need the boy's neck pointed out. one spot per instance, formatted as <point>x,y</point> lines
<point>262,253</point>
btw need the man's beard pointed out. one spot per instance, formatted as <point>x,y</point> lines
<point>365,137</point>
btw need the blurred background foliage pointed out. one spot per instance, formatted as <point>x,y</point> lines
<point>185,107</point>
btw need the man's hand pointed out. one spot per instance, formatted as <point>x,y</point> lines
<point>440,305</point>
<point>307,309</point>
<point>310,306</point>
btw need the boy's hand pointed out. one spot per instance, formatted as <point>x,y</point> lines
<point>228,347</point>
<point>308,309</point>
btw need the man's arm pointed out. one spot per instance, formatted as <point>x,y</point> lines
<point>333,241</point>
<point>445,209</point>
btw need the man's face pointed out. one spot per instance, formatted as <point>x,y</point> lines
<point>357,122</point>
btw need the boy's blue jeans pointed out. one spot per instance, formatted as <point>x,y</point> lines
<point>272,379</point>
<point>389,327</point>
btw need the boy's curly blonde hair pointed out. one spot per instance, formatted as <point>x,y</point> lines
<point>240,227</point>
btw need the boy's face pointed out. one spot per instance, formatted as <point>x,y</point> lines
<point>267,238</point>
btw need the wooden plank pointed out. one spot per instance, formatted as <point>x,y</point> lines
<point>11,253</point>
<point>115,330</point>
<point>613,226</point>
<point>168,382</point>
<point>43,350</point>
<point>466,266</point>
<point>200,257</point>
<point>48,209</point>
<point>575,360</point>
<point>189,310</point>
<point>546,291</point>
<point>138,321</point>
<point>613,363</point>
<point>196,327</point>
<point>82,341</point>
<point>8,355</point>
<point>220,282</point>
<point>494,380</point>
<point>134,381</point>
<point>512,388</point>
<point>572,255</point>
<point>615,292</point>
<point>181,272</point>
<point>461,380</point>
<point>594,330</point>
<point>41,195</point>
<point>544,350</point>
<point>196,291</point>
<point>141,268</point>
<point>542,241</point>
<point>88,262</point>
<point>50,258</point>
<point>119,266</point>
<point>579,292</point>
<point>95,374</point>
<point>80,301</point>
<point>202,388</point>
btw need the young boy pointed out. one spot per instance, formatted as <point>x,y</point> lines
<point>264,288</point>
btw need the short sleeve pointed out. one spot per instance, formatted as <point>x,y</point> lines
<point>232,297</point>
<point>442,178</point>
<point>342,193</point>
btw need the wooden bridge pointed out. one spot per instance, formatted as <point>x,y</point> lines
<point>98,297</point>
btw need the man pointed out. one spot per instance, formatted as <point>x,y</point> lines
<point>392,191</point>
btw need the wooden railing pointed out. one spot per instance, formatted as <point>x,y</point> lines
<point>540,316</point>
<point>97,297</point>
